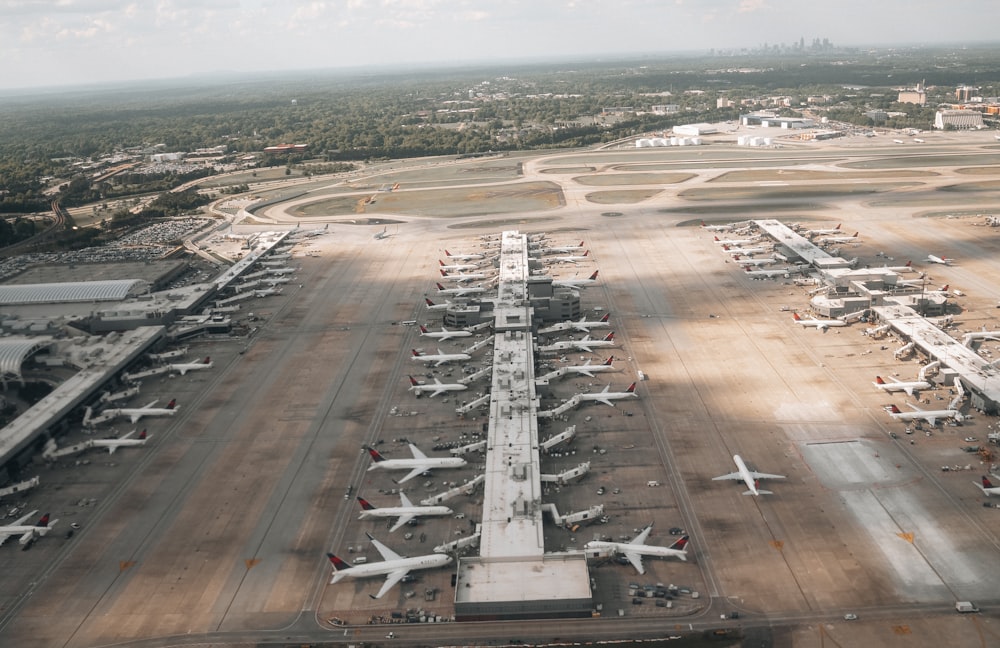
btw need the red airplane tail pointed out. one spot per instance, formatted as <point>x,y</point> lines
<point>423,329</point>
<point>681,544</point>
<point>796,317</point>
<point>607,363</point>
<point>172,404</point>
<point>879,381</point>
<point>338,564</point>
<point>909,264</point>
<point>440,262</point>
<point>586,253</point>
<point>375,454</point>
<point>447,253</point>
<point>631,389</point>
<point>43,521</point>
<point>716,238</point>
<point>606,317</point>
<point>413,381</point>
<point>894,409</point>
<point>142,435</point>
<point>594,276</point>
<point>440,287</point>
<point>207,360</point>
<point>428,301</point>
<point>609,337</point>
<point>443,273</point>
<point>986,482</point>
<point>365,504</point>
<point>415,353</point>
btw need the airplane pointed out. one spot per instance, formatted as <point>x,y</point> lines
<point>940,260</point>
<point>820,324</point>
<point>28,532</point>
<point>135,413</point>
<point>605,396</point>
<point>464,257</point>
<point>444,334</point>
<point>839,239</point>
<point>570,259</point>
<point>266,292</point>
<point>577,283</point>
<point>468,276</point>
<point>586,344</point>
<point>636,548</point>
<point>931,416</point>
<point>185,367</point>
<point>460,291</point>
<point>420,463</point>
<point>767,274</point>
<point>437,388</point>
<point>384,234</point>
<point>987,487</point>
<point>281,271</point>
<point>824,232</point>
<point>749,477</point>
<point>404,513</point>
<point>431,306</point>
<point>564,249</point>
<point>760,249</point>
<point>734,242</point>
<point>440,358</point>
<point>760,261</point>
<point>457,267</point>
<point>581,325</point>
<point>715,228</point>
<point>589,369</point>
<point>298,233</point>
<point>51,452</point>
<point>394,566</point>
<point>899,385</point>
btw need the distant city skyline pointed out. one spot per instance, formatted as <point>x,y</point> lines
<point>47,43</point>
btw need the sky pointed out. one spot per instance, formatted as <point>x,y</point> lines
<point>82,42</point>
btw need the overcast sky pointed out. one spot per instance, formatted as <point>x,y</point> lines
<point>70,42</point>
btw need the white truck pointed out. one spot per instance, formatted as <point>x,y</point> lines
<point>965,606</point>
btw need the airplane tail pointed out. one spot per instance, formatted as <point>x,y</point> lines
<point>413,381</point>
<point>909,264</point>
<point>428,301</point>
<point>593,277</point>
<point>365,504</point>
<point>415,353</point>
<point>423,329</point>
<point>587,252</point>
<point>338,563</point>
<point>607,363</point>
<point>894,410</point>
<point>610,337</point>
<point>447,253</point>
<point>631,389</point>
<point>987,484</point>
<point>796,317</point>
<point>681,544</point>
<point>879,381</point>
<point>375,454</point>
<point>606,317</point>
<point>172,404</point>
<point>439,286</point>
<point>443,273</point>
<point>207,360</point>
<point>142,435</point>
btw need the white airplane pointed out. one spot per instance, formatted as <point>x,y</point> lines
<point>439,358</point>
<point>839,239</point>
<point>460,291</point>
<point>586,344</point>
<point>404,513</point>
<point>431,306</point>
<point>135,413</point>
<point>767,273</point>
<point>28,532</point>
<point>457,267</point>
<point>281,271</point>
<point>581,325</point>
<point>51,452</point>
<point>931,416</point>
<point>824,232</point>
<point>715,228</point>
<point>384,234</point>
<point>820,324</point>
<point>564,249</point>
<point>749,477</point>
<point>420,463</point>
<point>605,396</point>
<point>577,283</point>
<point>266,292</point>
<point>464,257</point>
<point>636,548</point>
<point>184,367</point>
<point>393,566</point>
<point>899,385</point>
<point>735,242</point>
<point>444,334</point>
<point>437,388</point>
<point>167,355</point>
<point>987,487</point>
<point>309,233</point>
<point>462,277</point>
<point>569,258</point>
<point>759,261</point>
<point>940,260</point>
<point>588,369</point>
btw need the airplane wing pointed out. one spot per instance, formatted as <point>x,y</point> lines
<point>4,535</point>
<point>400,521</point>
<point>760,475</point>
<point>733,475</point>
<point>636,560</point>
<point>386,552</point>
<point>417,453</point>
<point>413,473</point>
<point>391,579</point>
<point>605,401</point>
<point>641,538</point>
